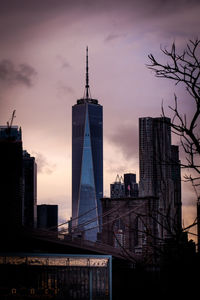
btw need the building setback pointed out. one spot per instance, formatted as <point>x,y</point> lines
<point>160,171</point>
<point>87,163</point>
<point>30,190</point>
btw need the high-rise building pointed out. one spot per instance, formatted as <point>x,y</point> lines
<point>11,188</point>
<point>30,190</point>
<point>47,216</point>
<point>87,163</point>
<point>117,188</point>
<point>130,185</point>
<point>160,170</point>
<point>124,187</point>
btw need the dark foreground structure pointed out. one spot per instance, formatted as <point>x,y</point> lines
<point>40,265</point>
<point>55,276</point>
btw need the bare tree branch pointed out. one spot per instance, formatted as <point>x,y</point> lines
<point>184,68</point>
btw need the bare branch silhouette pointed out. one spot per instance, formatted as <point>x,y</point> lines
<point>184,68</point>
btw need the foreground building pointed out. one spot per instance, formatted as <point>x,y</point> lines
<point>87,163</point>
<point>11,178</point>
<point>55,276</point>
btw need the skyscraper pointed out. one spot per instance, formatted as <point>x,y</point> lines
<point>87,163</point>
<point>30,190</point>
<point>160,171</point>
<point>130,185</point>
<point>47,216</point>
<point>11,188</point>
<point>117,188</point>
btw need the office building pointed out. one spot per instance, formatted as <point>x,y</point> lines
<point>11,189</point>
<point>160,171</point>
<point>47,216</point>
<point>124,187</point>
<point>87,163</point>
<point>30,190</point>
<point>117,188</point>
<point>130,185</point>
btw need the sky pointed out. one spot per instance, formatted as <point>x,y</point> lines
<point>42,74</point>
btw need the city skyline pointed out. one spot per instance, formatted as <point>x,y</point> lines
<point>42,75</point>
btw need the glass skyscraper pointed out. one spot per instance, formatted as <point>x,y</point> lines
<point>87,163</point>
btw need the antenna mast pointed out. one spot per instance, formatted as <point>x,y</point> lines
<point>87,76</point>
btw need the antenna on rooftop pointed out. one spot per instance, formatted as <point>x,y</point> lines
<point>87,94</point>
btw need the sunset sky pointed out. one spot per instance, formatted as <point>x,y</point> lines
<point>42,74</point>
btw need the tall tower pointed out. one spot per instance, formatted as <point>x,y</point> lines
<point>160,171</point>
<point>87,163</point>
<point>11,179</point>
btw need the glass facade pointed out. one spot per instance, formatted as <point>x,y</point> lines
<point>55,276</point>
<point>87,166</point>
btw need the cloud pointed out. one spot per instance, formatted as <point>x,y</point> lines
<point>10,74</point>
<point>126,138</point>
<point>43,166</point>
<point>63,62</point>
<point>63,90</point>
<point>113,36</point>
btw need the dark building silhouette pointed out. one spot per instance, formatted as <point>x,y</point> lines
<point>124,187</point>
<point>131,224</point>
<point>160,171</point>
<point>87,163</point>
<point>176,177</point>
<point>130,185</point>
<point>30,190</point>
<point>47,216</point>
<point>11,189</point>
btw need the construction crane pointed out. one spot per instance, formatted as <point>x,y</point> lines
<point>9,124</point>
<point>11,120</point>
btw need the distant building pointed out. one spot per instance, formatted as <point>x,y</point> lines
<point>47,216</point>
<point>160,171</point>
<point>30,190</point>
<point>87,163</point>
<point>124,187</point>
<point>11,188</point>
<point>130,185</point>
<point>117,188</point>
<point>132,223</point>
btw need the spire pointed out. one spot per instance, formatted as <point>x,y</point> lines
<point>87,75</point>
<point>87,95</point>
